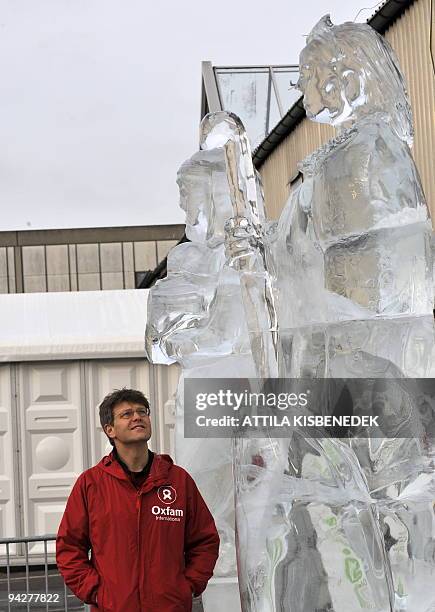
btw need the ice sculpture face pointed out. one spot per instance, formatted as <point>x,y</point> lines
<point>204,196</point>
<point>203,181</point>
<point>329,88</point>
<point>348,71</point>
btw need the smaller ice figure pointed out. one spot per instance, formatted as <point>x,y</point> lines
<point>196,317</point>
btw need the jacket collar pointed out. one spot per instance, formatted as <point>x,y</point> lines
<point>159,473</point>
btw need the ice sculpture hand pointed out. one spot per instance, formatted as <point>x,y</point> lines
<point>241,243</point>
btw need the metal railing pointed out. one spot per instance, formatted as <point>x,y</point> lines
<point>20,574</point>
<point>24,587</point>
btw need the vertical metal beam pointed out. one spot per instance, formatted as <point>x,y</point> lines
<point>87,411</point>
<point>122,265</point>
<point>46,572</point>
<point>11,269</point>
<point>277,95</point>
<point>45,268</point>
<point>99,265</point>
<point>8,573</point>
<point>17,442</point>
<point>19,276</point>
<point>269,92</point>
<point>26,553</point>
<point>210,92</point>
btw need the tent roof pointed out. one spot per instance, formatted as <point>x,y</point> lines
<point>73,325</point>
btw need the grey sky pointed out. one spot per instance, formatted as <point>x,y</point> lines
<point>99,99</point>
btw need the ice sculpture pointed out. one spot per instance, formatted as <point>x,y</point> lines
<point>196,315</point>
<point>348,526</point>
<point>340,289</point>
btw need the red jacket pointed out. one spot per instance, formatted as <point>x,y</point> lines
<point>151,548</point>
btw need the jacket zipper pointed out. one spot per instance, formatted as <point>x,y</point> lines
<point>138,508</point>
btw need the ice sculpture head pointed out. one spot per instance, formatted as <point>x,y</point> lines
<point>218,128</point>
<point>349,71</point>
<point>203,181</point>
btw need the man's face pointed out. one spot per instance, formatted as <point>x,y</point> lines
<point>131,423</point>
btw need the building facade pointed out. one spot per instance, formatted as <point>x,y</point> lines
<point>88,259</point>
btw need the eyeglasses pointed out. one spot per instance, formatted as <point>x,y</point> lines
<point>129,414</point>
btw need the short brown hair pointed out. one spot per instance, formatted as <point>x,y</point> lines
<point>132,396</point>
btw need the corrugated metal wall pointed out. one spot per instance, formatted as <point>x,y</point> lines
<point>281,167</point>
<point>409,36</point>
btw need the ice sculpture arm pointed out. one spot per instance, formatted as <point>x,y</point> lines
<point>180,304</point>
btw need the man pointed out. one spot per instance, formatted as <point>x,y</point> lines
<point>152,539</point>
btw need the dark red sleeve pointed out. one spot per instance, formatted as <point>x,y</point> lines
<point>201,546</point>
<point>73,546</point>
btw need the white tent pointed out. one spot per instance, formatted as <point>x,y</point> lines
<point>73,325</point>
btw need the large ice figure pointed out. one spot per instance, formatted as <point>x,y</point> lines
<point>340,289</point>
<point>348,526</point>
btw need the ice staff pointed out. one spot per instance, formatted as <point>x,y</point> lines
<point>247,248</point>
<point>248,252</point>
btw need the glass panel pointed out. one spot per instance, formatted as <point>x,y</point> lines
<point>89,282</point>
<point>73,266</point>
<point>112,280</point>
<point>3,262</point>
<point>284,77</point>
<point>4,284</point>
<point>57,259</point>
<point>127,257</point>
<point>145,256</point>
<point>163,248</point>
<point>243,91</point>
<point>111,257</point>
<point>58,282</point>
<point>33,260</point>
<point>88,258</point>
<point>35,284</point>
<point>11,269</point>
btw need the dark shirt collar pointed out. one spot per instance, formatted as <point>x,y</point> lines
<point>145,471</point>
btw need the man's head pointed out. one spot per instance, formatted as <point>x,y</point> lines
<point>124,417</point>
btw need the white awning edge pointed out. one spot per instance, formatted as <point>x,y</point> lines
<point>73,325</point>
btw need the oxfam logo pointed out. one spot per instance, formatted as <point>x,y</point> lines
<point>167,494</point>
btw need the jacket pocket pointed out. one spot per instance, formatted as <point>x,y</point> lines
<point>187,593</point>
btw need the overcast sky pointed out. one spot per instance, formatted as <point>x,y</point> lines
<point>100,99</point>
